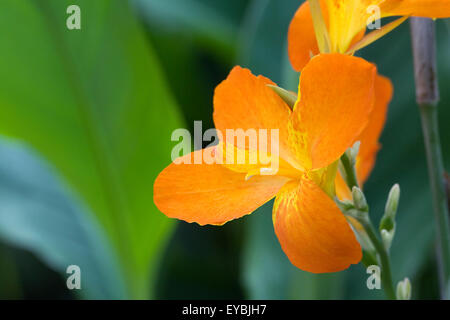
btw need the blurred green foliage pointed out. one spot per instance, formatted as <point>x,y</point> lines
<point>94,110</point>
<point>95,104</point>
<point>38,213</point>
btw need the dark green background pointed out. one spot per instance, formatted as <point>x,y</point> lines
<point>86,118</point>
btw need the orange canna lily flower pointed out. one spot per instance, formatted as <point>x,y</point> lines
<point>339,25</point>
<point>335,100</point>
<point>344,31</point>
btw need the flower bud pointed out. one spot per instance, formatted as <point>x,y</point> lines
<point>387,237</point>
<point>346,165</point>
<point>388,219</point>
<point>359,200</point>
<point>404,290</point>
<point>344,205</point>
<point>352,152</point>
<point>392,202</point>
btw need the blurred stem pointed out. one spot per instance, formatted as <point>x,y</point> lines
<point>427,96</point>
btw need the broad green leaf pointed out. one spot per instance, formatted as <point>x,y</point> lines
<point>94,103</point>
<point>38,213</point>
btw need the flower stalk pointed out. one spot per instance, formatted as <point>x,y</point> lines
<point>359,211</point>
<point>384,260</point>
<point>361,214</point>
<point>347,164</point>
<point>427,96</point>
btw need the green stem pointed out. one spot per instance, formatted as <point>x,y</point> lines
<point>427,95</point>
<point>429,119</point>
<point>386,276</point>
<point>348,171</point>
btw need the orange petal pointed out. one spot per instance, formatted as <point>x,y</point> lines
<point>342,190</point>
<point>302,43</point>
<point>369,137</point>
<point>335,100</point>
<point>244,101</point>
<point>311,229</point>
<point>210,193</point>
<point>417,8</point>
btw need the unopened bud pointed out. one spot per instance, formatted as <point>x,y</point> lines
<point>352,152</point>
<point>392,202</point>
<point>404,290</point>
<point>347,164</point>
<point>390,211</point>
<point>344,205</point>
<point>359,200</point>
<point>387,237</point>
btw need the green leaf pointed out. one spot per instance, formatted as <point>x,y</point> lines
<point>38,213</point>
<point>94,103</point>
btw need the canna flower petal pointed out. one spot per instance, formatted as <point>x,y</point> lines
<point>302,43</point>
<point>342,190</point>
<point>244,101</point>
<point>312,231</point>
<point>336,96</point>
<point>417,8</point>
<point>369,138</point>
<point>210,193</point>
